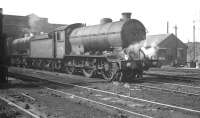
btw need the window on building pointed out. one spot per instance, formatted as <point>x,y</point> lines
<point>162,53</point>
<point>180,53</point>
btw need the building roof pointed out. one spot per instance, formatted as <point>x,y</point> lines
<point>155,40</point>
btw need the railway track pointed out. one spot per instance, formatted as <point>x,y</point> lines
<point>100,103</point>
<point>19,107</point>
<point>174,88</point>
<point>165,86</point>
<point>51,89</point>
<point>176,84</point>
<point>127,97</point>
<point>193,77</point>
<point>34,101</point>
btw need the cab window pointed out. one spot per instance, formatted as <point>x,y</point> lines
<point>60,35</point>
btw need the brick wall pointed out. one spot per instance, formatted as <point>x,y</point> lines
<point>176,51</point>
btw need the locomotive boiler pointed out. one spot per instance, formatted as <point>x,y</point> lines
<point>90,50</point>
<point>107,35</point>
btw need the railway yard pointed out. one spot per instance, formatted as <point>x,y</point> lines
<point>110,69</point>
<point>41,94</point>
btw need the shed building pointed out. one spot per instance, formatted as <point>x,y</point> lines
<point>16,26</point>
<point>170,49</point>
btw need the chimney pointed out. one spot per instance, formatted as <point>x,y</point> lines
<point>105,20</point>
<point>126,16</point>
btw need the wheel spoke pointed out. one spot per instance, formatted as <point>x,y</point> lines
<point>88,72</point>
<point>108,75</point>
<point>70,69</point>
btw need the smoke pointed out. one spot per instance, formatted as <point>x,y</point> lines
<point>149,50</point>
<point>134,49</point>
<point>34,23</point>
<point>35,26</point>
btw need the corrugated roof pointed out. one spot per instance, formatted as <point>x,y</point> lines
<point>154,40</point>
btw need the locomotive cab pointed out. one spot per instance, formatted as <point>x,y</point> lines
<point>59,43</point>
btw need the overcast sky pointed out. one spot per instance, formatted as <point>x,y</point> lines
<point>154,14</point>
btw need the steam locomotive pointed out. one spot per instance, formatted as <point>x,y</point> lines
<point>91,50</point>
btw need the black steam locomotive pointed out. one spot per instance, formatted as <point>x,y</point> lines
<point>92,50</point>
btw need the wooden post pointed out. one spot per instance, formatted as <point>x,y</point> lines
<point>3,55</point>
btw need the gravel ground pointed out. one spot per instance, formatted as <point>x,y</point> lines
<point>50,105</point>
<point>134,105</point>
<point>155,95</point>
<point>168,98</point>
<point>7,111</point>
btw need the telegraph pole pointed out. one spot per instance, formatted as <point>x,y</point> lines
<point>194,56</point>
<point>176,46</point>
<point>176,28</point>
<point>167,27</point>
<point>176,60</point>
